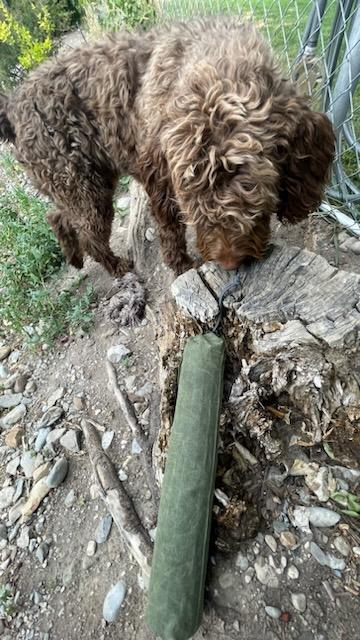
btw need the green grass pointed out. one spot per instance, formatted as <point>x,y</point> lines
<point>30,264</point>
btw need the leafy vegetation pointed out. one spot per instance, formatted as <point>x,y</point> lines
<point>112,15</point>
<point>28,32</point>
<point>6,602</point>
<point>30,260</point>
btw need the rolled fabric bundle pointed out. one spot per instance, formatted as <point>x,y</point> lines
<point>177,582</point>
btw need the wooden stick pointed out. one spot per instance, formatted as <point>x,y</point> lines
<point>118,502</point>
<point>130,417</point>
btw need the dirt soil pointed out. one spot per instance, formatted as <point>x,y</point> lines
<point>62,597</point>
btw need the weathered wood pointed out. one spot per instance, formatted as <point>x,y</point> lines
<point>139,218</point>
<point>118,502</point>
<point>293,327</point>
<point>131,419</point>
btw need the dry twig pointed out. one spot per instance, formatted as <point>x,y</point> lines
<point>130,417</point>
<point>118,502</point>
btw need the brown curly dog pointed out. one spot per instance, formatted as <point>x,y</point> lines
<point>199,113</point>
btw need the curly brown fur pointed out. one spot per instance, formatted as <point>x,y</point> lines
<point>200,113</point>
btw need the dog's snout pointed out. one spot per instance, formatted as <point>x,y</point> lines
<point>228,264</point>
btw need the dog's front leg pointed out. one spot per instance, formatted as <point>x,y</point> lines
<point>170,228</point>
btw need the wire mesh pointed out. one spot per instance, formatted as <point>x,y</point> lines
<point>318,42</point>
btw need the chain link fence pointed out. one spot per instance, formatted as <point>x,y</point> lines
<point>318,42</point>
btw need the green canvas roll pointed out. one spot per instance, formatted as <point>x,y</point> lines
<point>176,590</point>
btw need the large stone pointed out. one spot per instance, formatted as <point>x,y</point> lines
<point>193,297</point>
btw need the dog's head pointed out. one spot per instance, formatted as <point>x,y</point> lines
<point>236,155</point>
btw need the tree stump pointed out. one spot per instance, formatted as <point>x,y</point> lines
<point>292,378</point>
<point>292,329</point>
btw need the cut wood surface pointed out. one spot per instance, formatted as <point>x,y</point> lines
<point>291,284</point>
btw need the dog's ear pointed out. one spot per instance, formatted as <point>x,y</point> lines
<point>305,162</point>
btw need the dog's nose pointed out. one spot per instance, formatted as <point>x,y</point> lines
<point>228,265</point>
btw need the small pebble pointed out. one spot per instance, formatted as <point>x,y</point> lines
<point>6,497</point>
<point>12,466</point>
<point>70,498</point>
<point>271,543</point>
<point>14,357</point>
<point>293,572</point>
<point>4,352</point>
<point>56,396</point>
<point>41,438</point>
<point>288,539</point>
<point>113,601</point>
<point>20,383</point>
<point>135,447</point>
<point>91,548</point>
<point>24,538</point>
<point>122,475</point>
<point>150,234</point>
<point>30,387</point>
<point>42,552</point>
<point>117,352</point>
<point>321,517</point>
<point>248,576</point>
<point>71,441</point>
<point>13,437</point>
<point>13,416</point>
<point>50,416</point>
<point>107,439</point>
<point>342,546</point>
<point>10,400</point>
<point>242,562</point>
<point>265,573</point>
<point>299,601</point>
<point>103,529</point>
<point>78,403</point>
<point>226,580</point>
<point>57,473</point>
<point>273,612</point>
